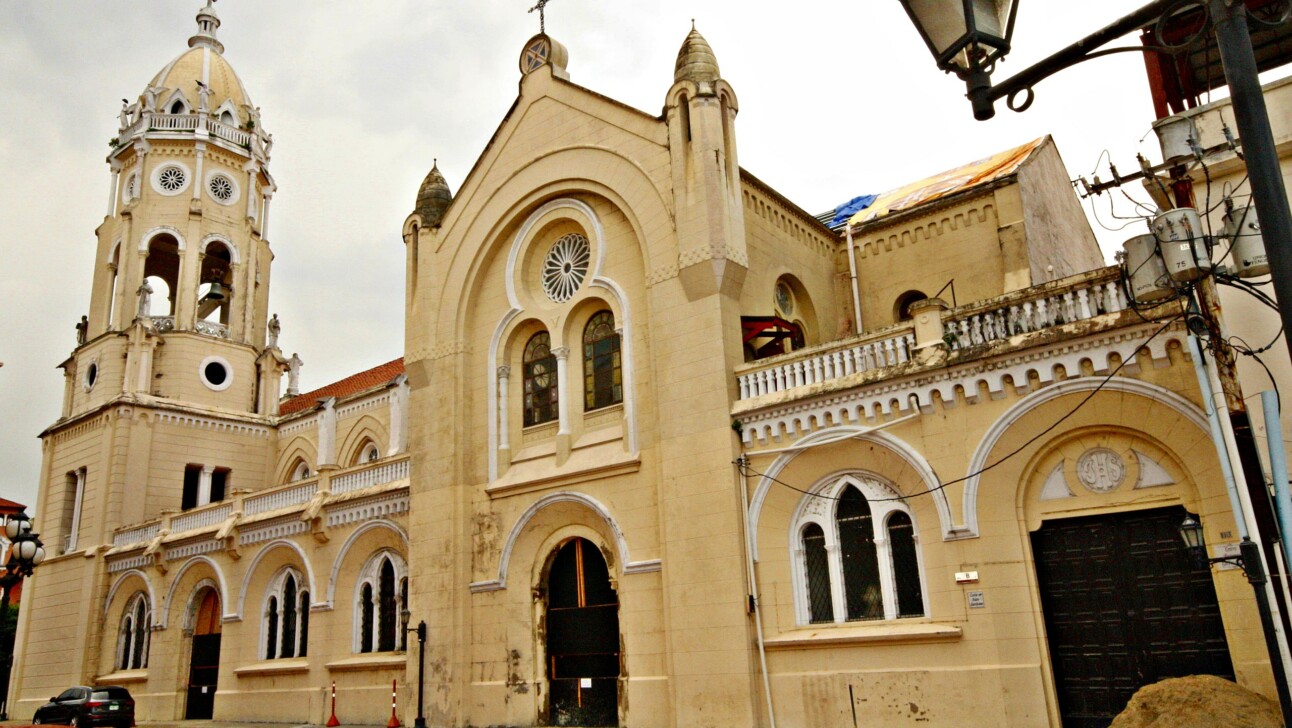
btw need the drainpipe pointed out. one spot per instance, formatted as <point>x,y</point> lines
<point>1212,392</point>
<point>852,270</point>
<point>1278,469</point>
<point>754,601</point>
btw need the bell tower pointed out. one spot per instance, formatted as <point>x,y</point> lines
<point>178,308</point>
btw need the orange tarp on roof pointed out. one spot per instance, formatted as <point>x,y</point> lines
<point>949,182</point>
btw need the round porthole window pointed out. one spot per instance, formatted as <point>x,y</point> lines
<point>91,375</point>
<point>222,188</point>
<point>565,267</point>
<point>216,373</point>
<point>171,178</point>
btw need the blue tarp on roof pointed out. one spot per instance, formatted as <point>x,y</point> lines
<point>845,211</point>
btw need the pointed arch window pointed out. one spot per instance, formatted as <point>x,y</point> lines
<point>133,636</point>
<point>381,596</point>
<point>602,367</point>
<point>287,615</point>
<point>858,555</point>
<point>541,387</point>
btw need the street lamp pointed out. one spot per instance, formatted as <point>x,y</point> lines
<point>25,552</point>
<point>1249,560</point>
<point>986,29</point>
<point>420,629</point>
<point>966,37</point>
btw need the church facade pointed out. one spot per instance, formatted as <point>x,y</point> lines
<point>662,448</point>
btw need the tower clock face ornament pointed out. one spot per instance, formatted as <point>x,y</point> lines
<point>536,54</point>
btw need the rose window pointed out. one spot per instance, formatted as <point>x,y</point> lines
<point>565,267</point>
<point>172,179</point>
<point>221,188</point>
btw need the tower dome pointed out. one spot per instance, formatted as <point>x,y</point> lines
<point>200,79</point>
<point>433,198</point>
<point>695,60</point>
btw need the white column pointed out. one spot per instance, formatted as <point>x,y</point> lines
<point>250,169</point>
<point>399,416</point>
<point>327,432</point>
<point>76,510</point>
<point>112,188</point>
<point>197,182</point>
<point>504,405</point>
<point>562,390</point>
<point>204,485</point>
<point>264,216</point>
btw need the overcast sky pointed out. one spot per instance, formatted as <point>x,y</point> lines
<point>837,99</point>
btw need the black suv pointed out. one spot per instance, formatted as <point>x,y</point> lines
<point>83,707</point>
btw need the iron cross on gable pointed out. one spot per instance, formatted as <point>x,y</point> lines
<point>542,21</point>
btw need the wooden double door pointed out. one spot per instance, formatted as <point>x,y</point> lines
<point>1124,607</point>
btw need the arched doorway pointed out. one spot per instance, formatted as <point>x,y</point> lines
<point>204,664</point>
<point>582,638</point>
<point>1124,607</point>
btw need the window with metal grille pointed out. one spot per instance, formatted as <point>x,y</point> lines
<point>287,614</point>
<point>817,563</point>
<point>860,556</point>
<point>602,369</point>
<point>132,638</point>
<point>860,561</point>
<point>906,566</point>
<point>380,599</point>
<point>540,380</point>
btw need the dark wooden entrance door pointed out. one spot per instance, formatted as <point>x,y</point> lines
<point>1124,607</point>
<point>582,638</point>
<point>204,665</point>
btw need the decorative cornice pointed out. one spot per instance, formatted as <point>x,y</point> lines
<point>903,395</point>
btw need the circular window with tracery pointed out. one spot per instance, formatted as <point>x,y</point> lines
<point>221,188</point>
<point>565,267</point>
<point>170,179</point>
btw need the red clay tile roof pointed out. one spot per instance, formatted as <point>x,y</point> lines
<point>8,506</point>
<point>353,384</point>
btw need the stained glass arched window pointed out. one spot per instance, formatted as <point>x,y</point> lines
<point>541,387</point>
<point>602,368</point>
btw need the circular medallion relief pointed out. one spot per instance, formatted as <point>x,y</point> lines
<point>565,267</point>
<point>1100,470</point>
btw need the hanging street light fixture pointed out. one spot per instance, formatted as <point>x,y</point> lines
<point>24,554</point>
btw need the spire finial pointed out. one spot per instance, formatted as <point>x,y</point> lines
<point>542,20</point>
<point>207,23</point>
<point>692,23</point>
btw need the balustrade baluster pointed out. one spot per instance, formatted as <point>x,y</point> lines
<point>1114,298</point>
<point>818,370</point>
<point>1083,304</point>
<point>849,366</point>
<point>827,367</point>
<point>743,382</point>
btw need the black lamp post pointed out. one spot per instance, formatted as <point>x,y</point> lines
<point>420,629</point>
<point>1249,560</point>
<point>25,552</point>
<point>967,37</point>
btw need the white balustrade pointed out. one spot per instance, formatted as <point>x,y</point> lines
<point>172,122</point>
<point>211,328</point>
<point>368,477</point>
<point>282,498</point>
<point>203,518</point>
<point>994,324</point>
<point>1087,299</point>
<point>230,133</point>
<point>827,366</point>
<point>139,534</point>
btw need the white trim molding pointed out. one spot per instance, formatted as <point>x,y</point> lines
<point>587,501</point>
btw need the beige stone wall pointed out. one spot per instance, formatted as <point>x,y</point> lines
<point>1059,240</point>
<point>959,240</point>
<point>784,242</point>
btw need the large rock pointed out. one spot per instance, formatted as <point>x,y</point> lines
<point>1197,701</point>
